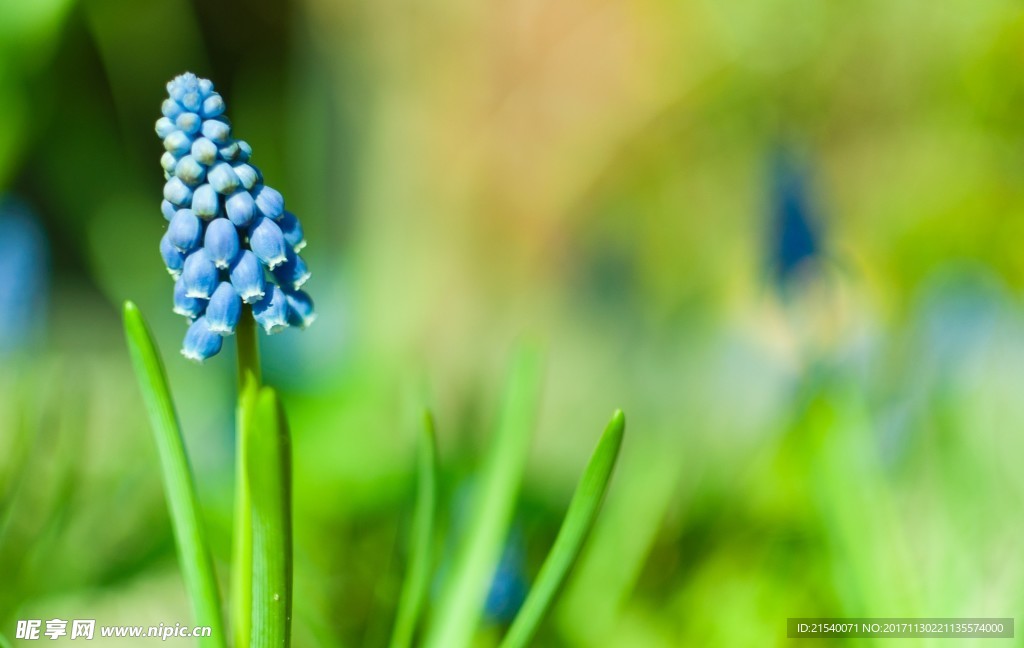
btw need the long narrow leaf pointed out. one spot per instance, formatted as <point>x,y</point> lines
<point>414,589</point>
<point>193,550</point>
<point>473,566</point>
<point>579,519</point>
<point>241,550</point>
<point>269,463</point>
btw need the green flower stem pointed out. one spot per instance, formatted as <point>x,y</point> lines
<point>414,589</point>
<point>196,565</point>
<point>269,472</point>
<point>579,519</point>
<point>241,553</point>
<point>462,599</point>
<point>248,348</point>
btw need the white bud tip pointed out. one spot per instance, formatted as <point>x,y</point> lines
<point>251,297</point>
<point>194,357</point>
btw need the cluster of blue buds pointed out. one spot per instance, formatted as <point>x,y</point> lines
<point>229,238</point>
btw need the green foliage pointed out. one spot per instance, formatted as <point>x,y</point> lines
<point>473,566</point>
<point>262,568</point>
<point>269,470</point>
<point>579,519</point>
<point>241,549</point>
<point>196,564</point>
<point>417,580</point>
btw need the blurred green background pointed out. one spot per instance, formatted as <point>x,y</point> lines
<point>783,236</point>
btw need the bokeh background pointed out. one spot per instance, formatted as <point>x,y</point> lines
<point>785,237</point>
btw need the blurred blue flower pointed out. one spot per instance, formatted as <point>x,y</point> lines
<point>24,276</point>
<point>793,238</point>
<point>226,229</point>
<point>509,586</point>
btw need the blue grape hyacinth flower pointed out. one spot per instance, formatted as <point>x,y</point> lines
<point>795,240</point>
<point>24,277</point>
<point>229,240</point>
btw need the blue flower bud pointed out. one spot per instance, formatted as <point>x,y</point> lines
<point>181,84</point>
<point>213,106</point>
<point>292,230</point>
<point>217,131</point>
<point>168,162</point>
<point>168,210</point>
<point>267,242</point>
<point>223,179</point>
<point>177,193</point>
<point>247,277</point>
<point>244,151</point>
<point>271,312</point>
<point>185,230</point>
<point>177,143</point>
<point>222,242</point>
<point>269,201</point>
<point>192,101</point>
<point>189,171</point>
<point>204,151</point>
<point>200,342</point>
<point>199,274</point>
<point>164,127</point>
<point>205,87</point>
<point>171,109</point>
<point>174,258</point>
<point>240,208</point>
<point>205,202</point>
<point>184,305</point>
<point>224,309</point>
<point>292,273</point>
<point>300,309</point>
<point>247,175</point>
<point>229,152</point>
<point>189,123</point>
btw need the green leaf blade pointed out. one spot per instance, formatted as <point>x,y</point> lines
<point>241,549</point>
<point>417,580</point>
<point>576,526</point>
<point>463,596</point>
<point>269,474</point>
<point>179,486</point>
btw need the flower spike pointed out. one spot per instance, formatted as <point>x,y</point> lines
<point>229,239</point>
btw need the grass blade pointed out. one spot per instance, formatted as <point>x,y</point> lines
<point>414,589</point>
<point>473,566</point>
<point>241,549</point>
<point>193,550</point>
<point>269,471</point>
<point>579,519</point>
